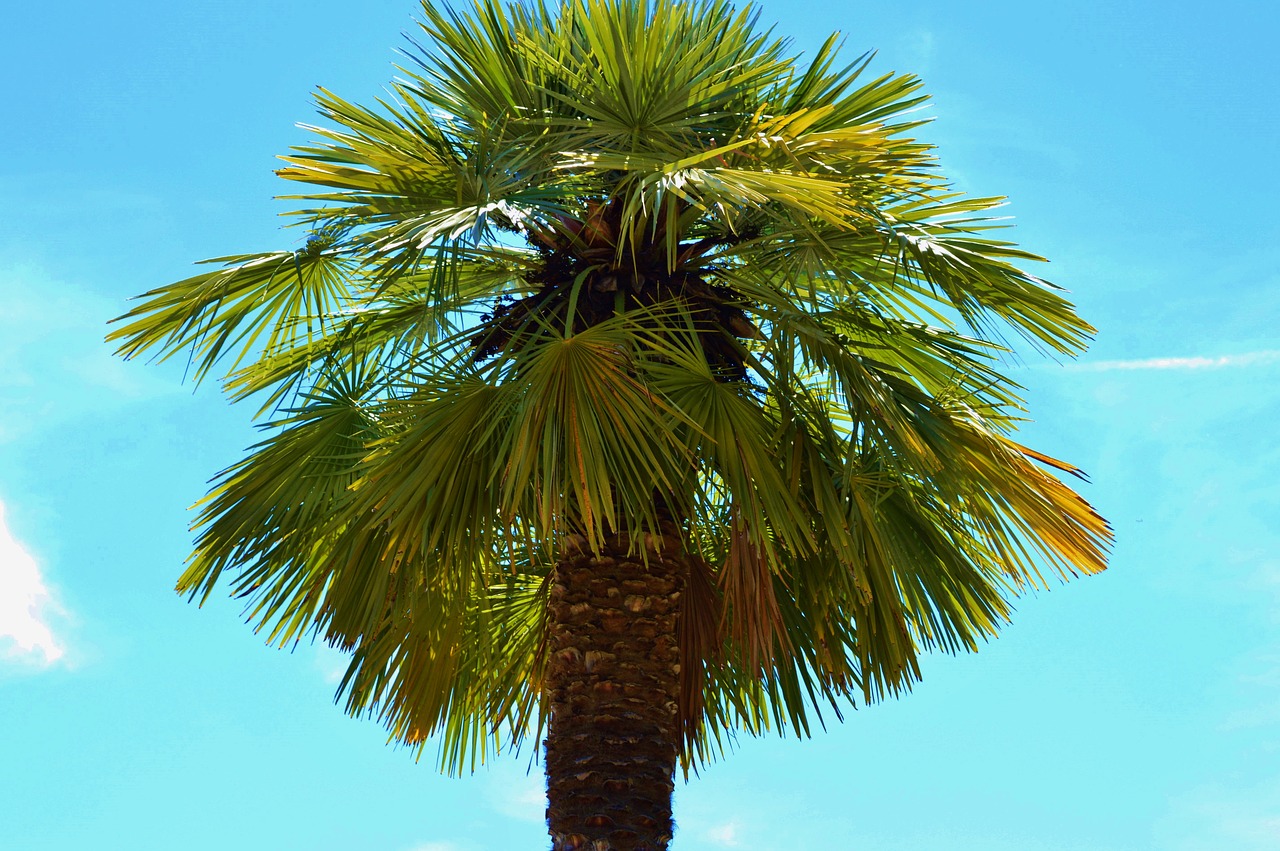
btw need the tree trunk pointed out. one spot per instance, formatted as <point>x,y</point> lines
<point>612,680</point>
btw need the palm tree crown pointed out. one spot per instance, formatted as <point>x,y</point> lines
<point>625,276</point>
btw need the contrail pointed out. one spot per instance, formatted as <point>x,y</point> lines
<point>1219,362</point>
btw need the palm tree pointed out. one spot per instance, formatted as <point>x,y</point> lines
<point>634,384</point>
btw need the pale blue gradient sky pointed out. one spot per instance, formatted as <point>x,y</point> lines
<point>1136,710</point>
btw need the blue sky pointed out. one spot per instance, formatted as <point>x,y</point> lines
<point>1135,710</point>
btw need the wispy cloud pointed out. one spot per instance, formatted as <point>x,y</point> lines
<point>56,365</point>
<point>724,834</point>
<point>1240,817</point>
<point>25,603</point>
<point>1261,358</point>
<point>516,793</point>
<point>332,664</point>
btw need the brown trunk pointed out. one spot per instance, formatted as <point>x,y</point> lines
<point>612,680</point>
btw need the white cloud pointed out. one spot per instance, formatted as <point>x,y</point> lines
<point>518,794</point>
<point>1242,818</point>
<point>1247,359</point>
<point>56,365</point>
<point>332,664</point>
<point>724,834</point>
<point>25,603</point>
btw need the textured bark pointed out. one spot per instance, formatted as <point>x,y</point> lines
<point>612,681</point>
